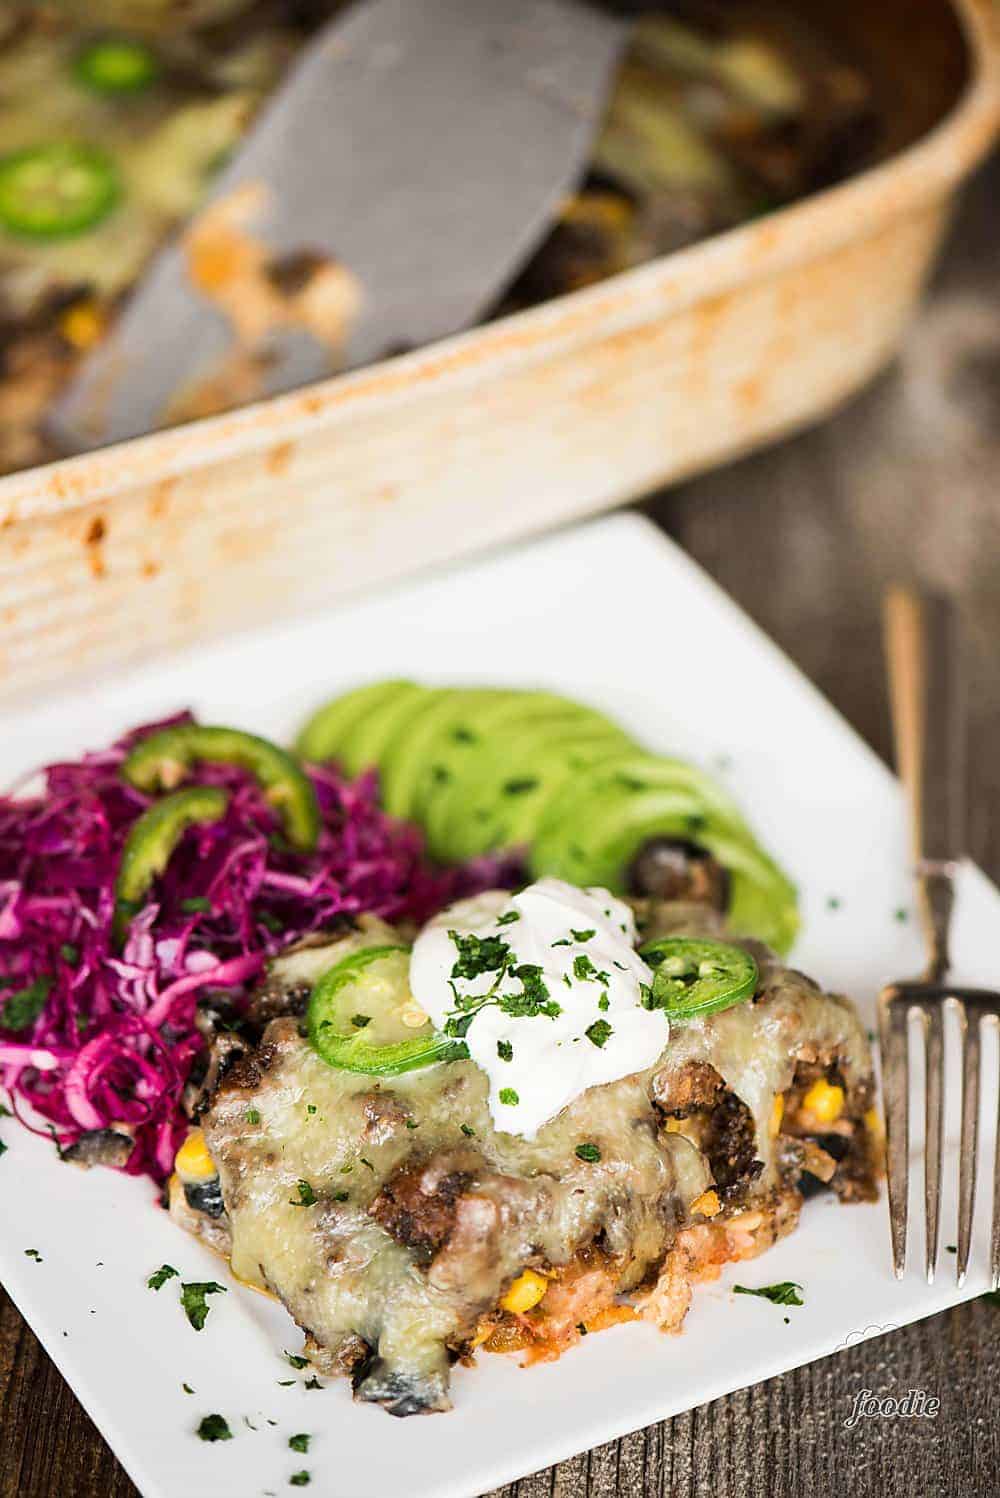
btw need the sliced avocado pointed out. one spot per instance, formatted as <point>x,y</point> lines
<point>599,850</point>
<point>409,760</point>
<point>321,737</point>
<point>586,850</point>
<point>456,761</point>
<point>466,810</point>
<point>557,766</point>
<point>614,782</point>
<point>504,806</point>
<point>364,744</point>
<point>765,906</point>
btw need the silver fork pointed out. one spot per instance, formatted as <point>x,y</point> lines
<point>928,712</point>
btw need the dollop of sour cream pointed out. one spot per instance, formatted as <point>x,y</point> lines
<point>546,989</point>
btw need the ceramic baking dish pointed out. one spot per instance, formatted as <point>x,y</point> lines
<point>568,408</point>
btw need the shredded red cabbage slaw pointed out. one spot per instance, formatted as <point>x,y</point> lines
<point>92,1037</point>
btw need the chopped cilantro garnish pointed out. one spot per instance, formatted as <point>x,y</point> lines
<point>367,1163</point>
<point>508,917</point>
<point>588,1152</point>
<point>312,1383</point>
<point>310,1108</point>
<point>196,905</point>
<point>360,1020</point>
<point>187,1388</point>
<point>214,1428</point>
<point>468,1131</point>
<point>505,1050</point>
<point>300,1480</point>
<point>307,1196</point>
<point>599,1033</point>
<point>296,1360</point>
<point>160,1276</point>
<point>458,1028</point>
<point>787,1293</point>
<point>834,902</point>
<point>32,1253</point>
<point>534,996</point>
<point>299,1442</point>
<point>23,1007</point>
<point>411,1123</point>
<point>341,1196</point>
<point>902,915</point>
<point>195,1303</point>
<point>581,935</point>
<point>604,1003</point>
<point>252,1115</point>
<point>479,954</point>
<point>584,969</point>
<point>563,941</point>
<point>3,1148</point>
<point>509,1097</point>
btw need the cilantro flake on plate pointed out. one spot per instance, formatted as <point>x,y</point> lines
<point>214,1428</point>
<point>786,1293</point>
<point>195,1302</point>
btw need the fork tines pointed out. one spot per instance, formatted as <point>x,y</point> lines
<point>930,1001</point>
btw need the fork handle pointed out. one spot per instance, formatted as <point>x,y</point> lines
<point>928,712</point>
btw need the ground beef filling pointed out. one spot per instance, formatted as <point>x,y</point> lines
<point>418,1208</point>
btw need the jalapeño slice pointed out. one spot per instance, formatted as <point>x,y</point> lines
<point>116,65</point>
<point>692,977</point>
<point>161,761</point>
<point>151,842</point>
<point>56,191</point>
<point>356,1017</point>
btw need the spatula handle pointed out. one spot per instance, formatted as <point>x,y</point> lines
<point>928,712</point>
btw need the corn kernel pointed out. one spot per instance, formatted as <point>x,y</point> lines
<point>708,1204</point>
<point>526,1291</point>
<point>82,324</point>
<point>192,1161</point>
<point>824,1101</point>
<point>777,1114</point>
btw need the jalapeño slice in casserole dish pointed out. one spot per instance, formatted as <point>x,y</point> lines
<point>713,120</point>
<point>601,1104</point>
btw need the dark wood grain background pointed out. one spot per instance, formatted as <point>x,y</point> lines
<point>906,480</point>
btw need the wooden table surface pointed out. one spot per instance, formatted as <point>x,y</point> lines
<point>905,480</point>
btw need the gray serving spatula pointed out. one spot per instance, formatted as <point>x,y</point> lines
<point>425,145</point>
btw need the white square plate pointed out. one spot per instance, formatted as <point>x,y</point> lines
<point>614,614</point>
